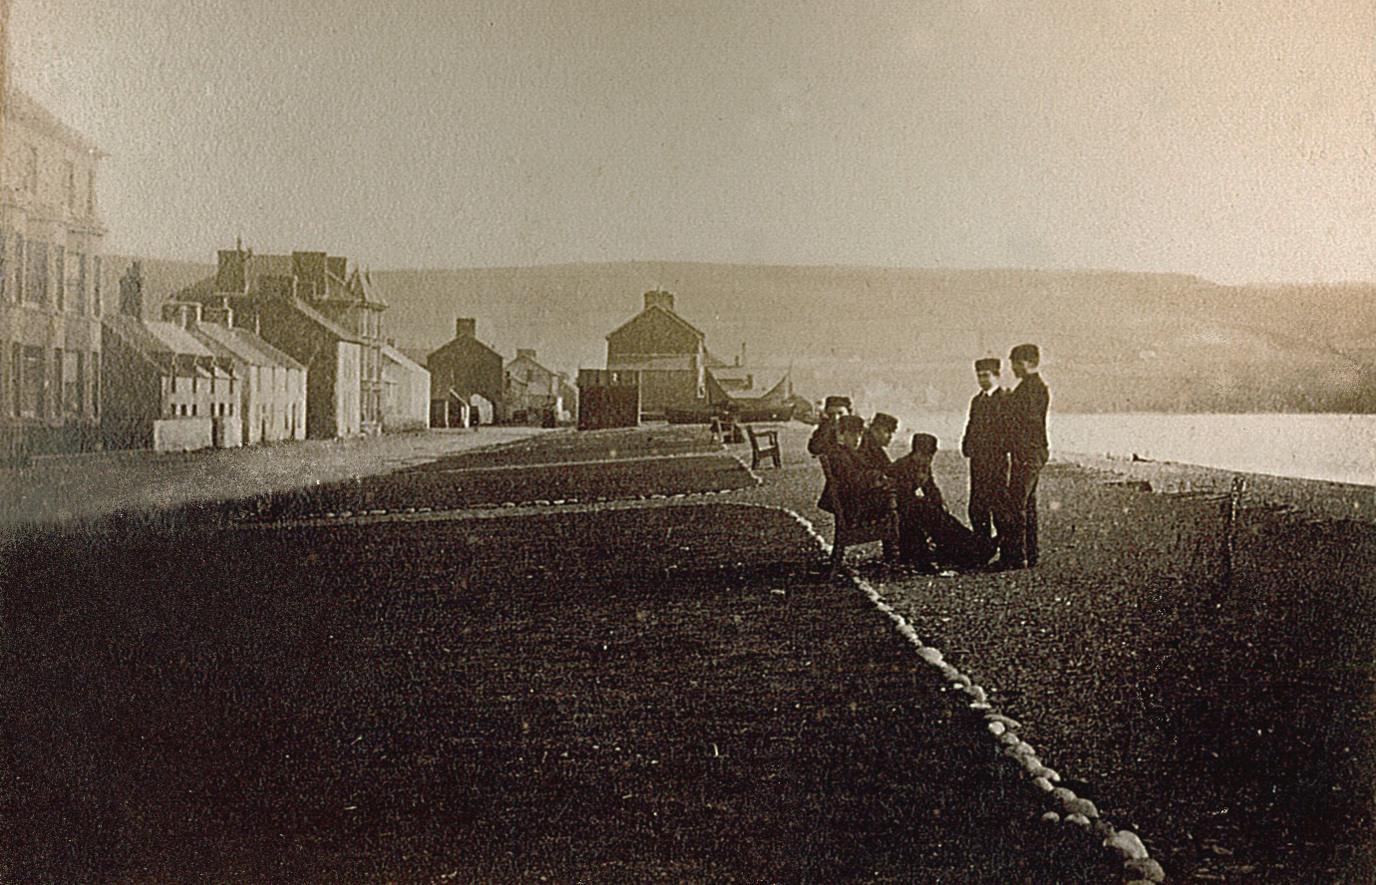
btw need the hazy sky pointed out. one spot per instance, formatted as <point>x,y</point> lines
<point>1232,139</point>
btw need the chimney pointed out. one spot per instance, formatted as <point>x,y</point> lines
<point>220,316</point>
<point>528,354</point>
<point>309,269</point>
<point>231,273</point>
<point>186,314</point>
<point>466,327</point>
<point>659,298</point>
<point>131,291</point>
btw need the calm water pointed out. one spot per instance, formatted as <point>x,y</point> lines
<point>1341,448</point>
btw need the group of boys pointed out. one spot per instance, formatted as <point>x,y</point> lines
<point>1006,444</point>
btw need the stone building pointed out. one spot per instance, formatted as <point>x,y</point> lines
<point>466,378</point>
<point>535,394</point>
<point>405,391</point>
<point>668,354</point>
<point>51,241</point>
<point>326,317</point>
<point>272,385</point>
<point>165,390</point>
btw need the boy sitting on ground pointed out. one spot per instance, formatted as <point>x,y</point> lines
<point>929,536</point>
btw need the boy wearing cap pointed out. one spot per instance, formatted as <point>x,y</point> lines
<point>865,487</point>
<point>930,535</point>
<point>824,437</point>
<point>874,446</point>
<point>984,445</point>
<point>1024,411</point>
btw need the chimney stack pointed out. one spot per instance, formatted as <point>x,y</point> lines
<point>466,327</point>
<point>524,352</point>
<point>131,291</point>
<point>231,274</point>
<point>659,298</point>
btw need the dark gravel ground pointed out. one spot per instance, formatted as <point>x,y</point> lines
<point>667,694</point>
<point>1231,723</point>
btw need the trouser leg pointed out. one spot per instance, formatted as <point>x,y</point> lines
<point>1018,531</point>
<point>987,483</point>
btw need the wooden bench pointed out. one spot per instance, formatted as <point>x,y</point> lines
<point>848,532</point>
<point>763,444</point>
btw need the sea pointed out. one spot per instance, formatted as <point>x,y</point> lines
<point>1333,447</point>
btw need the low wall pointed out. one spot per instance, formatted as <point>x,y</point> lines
<point>182,434</point>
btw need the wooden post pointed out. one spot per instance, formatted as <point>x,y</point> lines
<point>1231,507</point>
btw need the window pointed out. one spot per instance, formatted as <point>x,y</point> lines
<point>31,381</point>
<point>16,373</point>
<point>69,182</point>
<point>90,192</point>
<point>4,246</point>
<point>95,285</point>
<point>57,382</point>
<point>18,267</point>
<point>74,382</point>
<point>95,384</point>
<point>79,293</point>
<point>60,276</point>
<point>31,170</point>
<point>36,286</point>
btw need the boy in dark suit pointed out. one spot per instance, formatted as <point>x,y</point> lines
<point>1024,412</point>
<point>865,488</point>
<point>929,536</point>
<point>825,438</point>
<point>984,444</point>
<point>875,443</point>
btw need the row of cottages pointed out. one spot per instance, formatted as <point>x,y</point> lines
<point>680,379</point>
<point>193,380</point>
<point>312,307</point>
<point>51,241</point>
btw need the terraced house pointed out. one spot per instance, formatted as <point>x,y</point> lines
<point>51,240</point>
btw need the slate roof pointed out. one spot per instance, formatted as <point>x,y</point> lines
<point>664,310</point>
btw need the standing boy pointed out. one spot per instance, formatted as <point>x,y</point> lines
<point>985,444</point>
<point>1024,411</point>
<point>826,438</point>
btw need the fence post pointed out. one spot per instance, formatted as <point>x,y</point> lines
<point>1231,508</point>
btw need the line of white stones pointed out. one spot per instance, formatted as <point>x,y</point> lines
<point>1138,867</point>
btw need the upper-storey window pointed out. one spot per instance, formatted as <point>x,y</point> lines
<point>69,183</point>
<point>31,170</point>
<point>90,192</point>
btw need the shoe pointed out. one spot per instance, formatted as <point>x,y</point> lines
<point>1005,565</point>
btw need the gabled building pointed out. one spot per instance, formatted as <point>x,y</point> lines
<point>405,391</point>
<point>329,319</point>
<point>272,385</point>
<point>165,390</point>
<point>466,377</point>
<point>51,242</point>
<point>668,353</point>
<point>536,394</point>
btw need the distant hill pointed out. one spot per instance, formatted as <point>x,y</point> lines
<point>904,338</point>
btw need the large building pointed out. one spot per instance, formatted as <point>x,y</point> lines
<point>668,353</point>
<point>466,379</point>
<point>328,318</point>
<point>51,239</point>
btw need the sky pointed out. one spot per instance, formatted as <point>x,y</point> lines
<point>1233,139</point>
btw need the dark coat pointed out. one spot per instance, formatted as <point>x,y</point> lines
<point>1024,411</point>
<point>912,474</point>
<point>823,439</point>
<point>986,435</point>
<point>855,480</point>
<point>872,454</point>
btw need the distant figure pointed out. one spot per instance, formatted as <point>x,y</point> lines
<point>984,443</point>
<point>929,536</point>
<point>824,437</point>
<point>1024,413</point>
<point>865,488</point>
<point>874,446</point>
